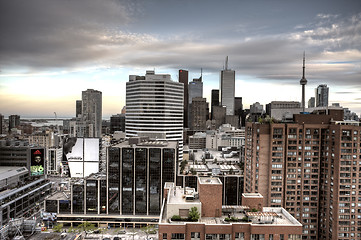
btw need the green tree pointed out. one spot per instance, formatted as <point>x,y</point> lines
<point>58,228</point>
<point>148,230</point>
<point>86,226</point>
<point>193,214</point>
<point>71,230</point>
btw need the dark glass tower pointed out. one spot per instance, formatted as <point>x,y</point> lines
<point>183,78</point>
<point>214,100</point>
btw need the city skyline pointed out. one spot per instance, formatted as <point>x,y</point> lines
<point>53,50</point>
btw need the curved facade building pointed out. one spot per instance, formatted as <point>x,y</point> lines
<point>154,106</point>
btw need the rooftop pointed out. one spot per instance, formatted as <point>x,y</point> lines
<point>205,180</point>
<point>6,172</point>
<point>179,195</point>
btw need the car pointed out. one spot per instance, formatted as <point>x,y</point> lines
<point>106,238</point>
<point>122,232</point>
<point>116,238</point>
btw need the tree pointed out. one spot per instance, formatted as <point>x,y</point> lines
<point>58,228</point>
<point>148,230</point>
<point>71,230</point>
<point>193,214</point>
<point>86,226</point>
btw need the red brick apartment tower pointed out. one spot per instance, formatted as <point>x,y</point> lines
<point>311,167</point>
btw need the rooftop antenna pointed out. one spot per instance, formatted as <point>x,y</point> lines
<point>201,73</point>
<point>227,63</point>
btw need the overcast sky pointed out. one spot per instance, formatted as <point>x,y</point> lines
<point>51,50</point>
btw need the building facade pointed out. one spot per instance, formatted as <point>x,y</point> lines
<point>227,83</point>
<point>198,114</point>
<point>131,189</point>
<point>155,108</point>
<point>217,221</point>
<point>183,78</point>
<point>14,121</point>
<point>92,113</point>
<point>322,96</point>
<point>310,167</point>
<point>117,123</point>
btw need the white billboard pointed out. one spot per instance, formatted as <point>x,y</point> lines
<point>82,156</point>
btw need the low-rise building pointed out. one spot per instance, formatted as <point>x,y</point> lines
<point>217,221</point>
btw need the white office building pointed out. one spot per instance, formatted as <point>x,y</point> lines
<point>227,89</point>
<point>154,106</point>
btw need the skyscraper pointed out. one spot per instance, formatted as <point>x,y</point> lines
<point>311,168</point>
<point>322,96</point>
<point>14,121</point>
<point>155,108</point>
<point>198,113</point>
<point>183,78</point>
<point>227,88</point>
<point>195,89</point>
<point>214,100</point>
<point>92,112</point>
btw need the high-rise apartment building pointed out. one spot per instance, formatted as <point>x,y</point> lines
<point>92,113</point>
<point>322,96</point>
<point>198,114</point>
<point>155,108</point>
<point>183,78</point>
<point>228,89</point>
<point>311,168</point>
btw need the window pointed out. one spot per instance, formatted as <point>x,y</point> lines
<point>195,235</point>
<point>178,236</point>
<point>239,236</point>
<point>164,236</point>
<point>257,237</point>
<point>294,237</point>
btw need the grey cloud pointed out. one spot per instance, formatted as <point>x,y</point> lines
<point>46,34</point>
<point>50,33</point>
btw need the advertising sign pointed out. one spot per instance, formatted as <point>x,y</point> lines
<point>81,155</point>
<point>37,164</point>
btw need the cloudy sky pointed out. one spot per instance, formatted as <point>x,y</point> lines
<point>51,50</point>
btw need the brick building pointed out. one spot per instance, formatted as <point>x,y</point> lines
<point>222,222</point>
<point>311,167</point>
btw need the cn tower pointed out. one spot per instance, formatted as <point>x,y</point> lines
<point>303,82</point>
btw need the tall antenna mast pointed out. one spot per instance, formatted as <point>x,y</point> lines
<point>227,63</point>
<point>303,74</point>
